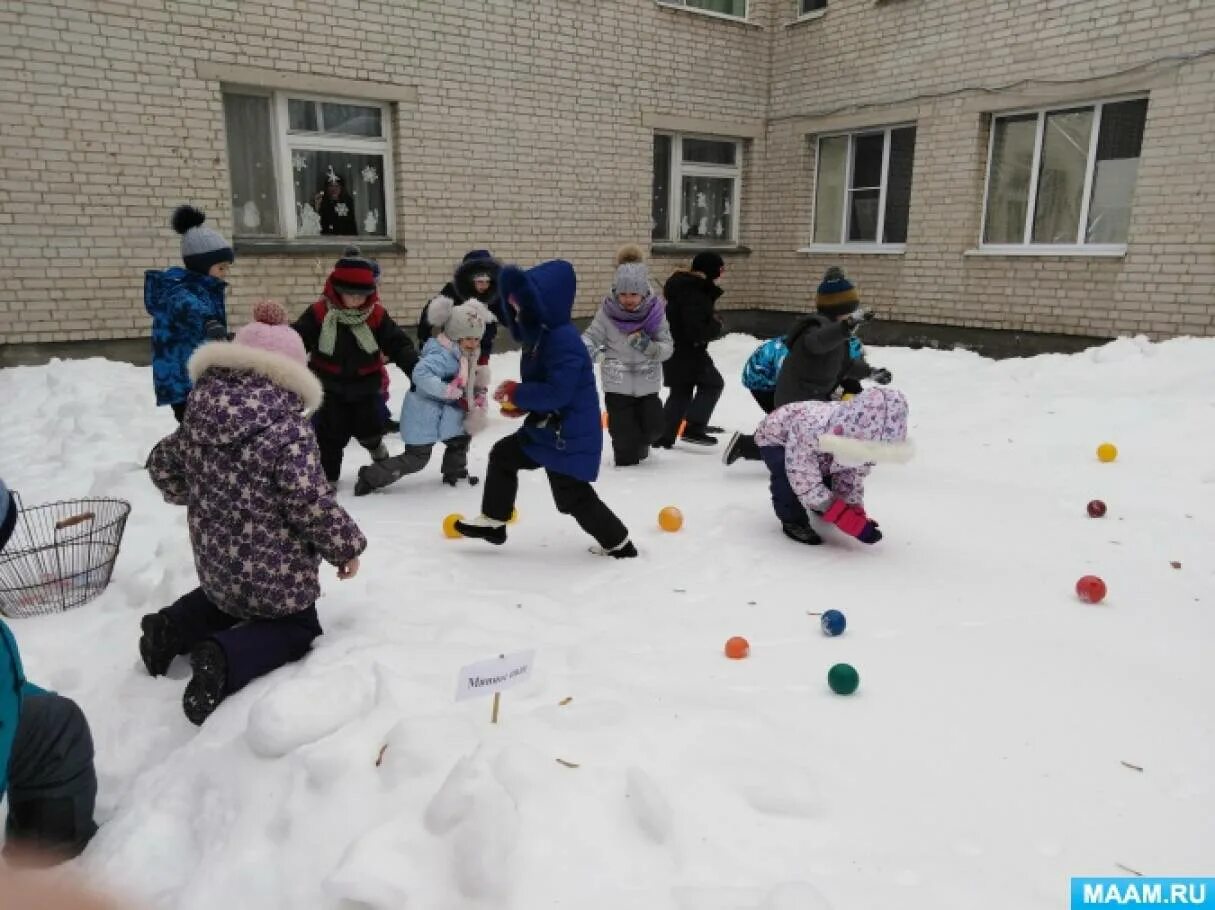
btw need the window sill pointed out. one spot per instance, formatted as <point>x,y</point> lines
<point>708,14</point>
<point>1095,251</point>
<point>665,248</point>
<point>856,249</point>
<point>812,16</point>
<point>311,247</point>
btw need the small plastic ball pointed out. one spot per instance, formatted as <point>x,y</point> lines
<point>670,519</point>
<point>737,648</point>
<point>833,622</point>
<point>843,679</point>
<point>1107,452</point>
<point>1091,589</point>
<point>1096,509</point>
<point>449,526</point>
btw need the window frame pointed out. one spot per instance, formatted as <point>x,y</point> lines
<point>680,169</point>
<point>1027,247</point>
<point>844,245</point>
<point>801,14</point>
<point>683,4</point>
<point>283,143</point>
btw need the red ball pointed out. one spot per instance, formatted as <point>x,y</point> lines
<point>1096,509</point>
<point>1091,589</point>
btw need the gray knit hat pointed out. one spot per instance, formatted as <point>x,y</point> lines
<point>632,275</point>
<point>459,320</point>
<point>201,246</point>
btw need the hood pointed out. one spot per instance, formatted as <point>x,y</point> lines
<point>683,281</point>
<point>462,280</point>
<point>239,391</point>
<point>872,427</point>
<point>545,294</point>
<point>157,286</point>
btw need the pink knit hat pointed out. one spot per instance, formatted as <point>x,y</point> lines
<point>269,332</point>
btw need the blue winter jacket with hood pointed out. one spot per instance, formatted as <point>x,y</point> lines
<point>186,309</point>
<point>562,431</point>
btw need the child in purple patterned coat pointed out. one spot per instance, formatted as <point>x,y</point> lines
<point>262,516</point>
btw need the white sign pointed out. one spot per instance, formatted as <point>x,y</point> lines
<point>496,675</point>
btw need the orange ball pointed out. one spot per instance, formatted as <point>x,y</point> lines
<point>1107,452</point>
<point>670,519</point>
<point>449,526</point>
<point>603,420</point>
<point>737,648</point>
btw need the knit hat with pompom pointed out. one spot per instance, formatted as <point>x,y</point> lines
<point>269,331</point>
<point>632,276</point>
<point>201,246</point>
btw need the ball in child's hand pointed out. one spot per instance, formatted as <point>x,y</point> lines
<point>1107,452</point>
<point>670,519</point>
<point>449,526</point>
<point>833,622</point>
<point>1091,589</point>
<point>1096,509</point>
<point>843,679</point>
<point>737,648</point>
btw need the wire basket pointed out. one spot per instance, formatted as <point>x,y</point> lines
<point>61,555</point>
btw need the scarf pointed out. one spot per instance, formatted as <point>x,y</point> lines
<point>355,320</point>
<point>646,318</point>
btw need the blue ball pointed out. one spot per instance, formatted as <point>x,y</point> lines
<point>833,622</point>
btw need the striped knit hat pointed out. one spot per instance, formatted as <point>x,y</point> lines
<point>353,274</point>
<point>836,296</point>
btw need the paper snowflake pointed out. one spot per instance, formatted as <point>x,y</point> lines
<point>370,175</point>
<point>342,209</point>
<point>299,162</point>
<point>331,176</point>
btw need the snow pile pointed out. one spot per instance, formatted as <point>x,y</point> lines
<point>979,764</point>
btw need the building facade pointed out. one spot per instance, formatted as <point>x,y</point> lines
<point>1040,166</point>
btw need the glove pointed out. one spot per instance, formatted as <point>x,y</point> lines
<point>216,331</point>
<point>639,341</point>
<point>851,386</point>
<point>454,390</point>
<point>859,317</point>
<point>853,521</point>
<point>505,392</point>
<point>480,399</point>
<point>881,376</point>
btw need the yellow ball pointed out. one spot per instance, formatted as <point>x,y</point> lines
<point>449,526</point>
<point>1107,452</point>
<point>514,516</point>
<point>847,396</point>
<point>670,519</point>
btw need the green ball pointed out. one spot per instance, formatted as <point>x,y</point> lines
<point>843,679</point>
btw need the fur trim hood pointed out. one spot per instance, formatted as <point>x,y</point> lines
<point>281,371</point>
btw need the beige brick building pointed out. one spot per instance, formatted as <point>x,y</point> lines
<point>552,128</point>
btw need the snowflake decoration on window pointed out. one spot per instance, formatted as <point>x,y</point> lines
<point>342,209</point>
<point>299,162</point>
<point>370,175</point>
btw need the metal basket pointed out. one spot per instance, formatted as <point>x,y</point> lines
<point>61,555</point>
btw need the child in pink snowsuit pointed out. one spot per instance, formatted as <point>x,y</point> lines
<point>819,453</point>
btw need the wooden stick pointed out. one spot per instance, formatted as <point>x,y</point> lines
<point>493,718</point>
<point>1129,869</point>
<point>1132,767</point>
<point>379,759</point>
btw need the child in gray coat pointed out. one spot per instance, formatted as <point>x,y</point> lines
<point>630,338</point>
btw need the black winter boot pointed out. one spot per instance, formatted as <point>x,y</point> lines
<point>207,687</point>
<point>159,644</point>
<point>801,533</point>
<point>483,528</point>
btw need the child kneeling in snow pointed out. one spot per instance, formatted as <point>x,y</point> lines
<point>819,453</point>
<point>245,463</point>
<point>449,400</point>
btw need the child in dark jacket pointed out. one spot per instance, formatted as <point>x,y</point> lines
<point>261,513</point>
<point>348,333</point>
<point>557,397</point>
<point>475,278</point>
<point>818,454</point>
<point>448,402</point>
<point>693,379</point>
<point>186,305</point>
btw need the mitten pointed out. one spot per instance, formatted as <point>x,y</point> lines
<point>859,317</point>
<point>454,390</point>
<point>481,400</point>
<point>851,386</point>
<point>881,376</point>
<point>852,521</point>
<point>639,341</point>
<point>505,392</point>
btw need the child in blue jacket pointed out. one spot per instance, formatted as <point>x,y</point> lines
<point>46,755</point>
<point>559,402</point>
<point>186,305</point>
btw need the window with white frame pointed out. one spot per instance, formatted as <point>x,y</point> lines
<point>862,194</point>
<point>806,7</point>
<point>695,189</point>
<point>735,9</point>
<point>305,167</point>
<point>1064,177</point>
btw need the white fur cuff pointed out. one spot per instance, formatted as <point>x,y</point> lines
<point>865,451</point>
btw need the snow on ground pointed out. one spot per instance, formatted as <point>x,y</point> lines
<point>979,764</point>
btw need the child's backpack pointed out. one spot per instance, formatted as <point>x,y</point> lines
<point>763,366</point>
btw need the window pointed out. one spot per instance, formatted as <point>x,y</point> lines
<point>863,191</point>
<point>308,167</point>
<point>1064,177</point>
<point>735,9</point>
<point>695,189</point>
<point>806,7</point>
